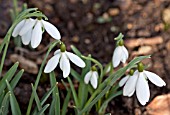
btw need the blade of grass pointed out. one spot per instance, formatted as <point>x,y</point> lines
<point>55,93</point>
<point>104,105</point>
<point>76,75</point>
<point>13,102</point>
<point>2,97</point>
<point>5,104</point>
<point>16,78</point>
<point>76,51</point>
<point>41,112</point>
<point>73,92</point>
<point>8,76</point>
<point>66,101</point>
<point>37,100</point>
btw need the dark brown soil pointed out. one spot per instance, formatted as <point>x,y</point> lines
<point>91,26</point>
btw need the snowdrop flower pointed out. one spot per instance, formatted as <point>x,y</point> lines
<point>138,81</point>
<point>92,76</point>
<point>63,57</point>
<point>124,80</point>
<point>120,54</point>
<point>31,30</point>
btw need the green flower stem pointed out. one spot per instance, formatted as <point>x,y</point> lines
<point>7,39</point>
<point>52,45</point>
<point>15,3</point>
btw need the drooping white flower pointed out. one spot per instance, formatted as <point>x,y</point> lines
<point>138,82</point>
<point>91,76</point>
<point>31,30</point>
<point>63,57</point>
<point>120,54</point>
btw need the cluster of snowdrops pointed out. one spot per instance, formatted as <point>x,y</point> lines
<point>97,86</point>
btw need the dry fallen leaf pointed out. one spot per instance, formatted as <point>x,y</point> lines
<point>159,106</point>
<point>28,65</point>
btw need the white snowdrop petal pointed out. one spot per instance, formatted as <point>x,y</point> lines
<point>96,74</point>
<point>29,23</point>
<point>26,38</point>
<point>130,94</point>
<point>57,51</point>
<point>17,28</point>
<point>117,56</point>
<point>142,89</point>
<point>125,51</point>
<point>65,66</point>
<point>87,77</point>
<point>51,29</point>
<point>75,59</point>
<point>93,81</point>
<point>155,79</point>
<point>36,35</point>
<point>52,64</point>
<point>123,58</point>
<point>123,80</point>
<point>130,84</point>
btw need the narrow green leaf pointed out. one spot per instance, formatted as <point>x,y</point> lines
<point>8,76</point>
<point>76,51</point>
<point>47,95</point>
<point>73,92</point>
<point>66,101</point>
<point>5,104</point>
<point>13,102</point>
<point>44,98</point>
<point>16,79</point>
<point>2,97</point>
<point>82,93</point>
<point>56,96</point>
<point>52,107</point>
<point>65,85</point>
<point>41,112</point>
<point>105,103</point>
<point>37,100</point>
<point>75,75</point>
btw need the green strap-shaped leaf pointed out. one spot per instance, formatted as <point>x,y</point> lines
<point>13,102</point>
<point>16,78</point>
<point>41,112</point>
<point>37,100</point>
<point>73,92</point>
<point>76,51</point>
<point>75,75</point>
<point>56,96</point>
<point>5,104</point>
<point>8,76</point>
<point>105,103</point>
<point>66,101</point>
